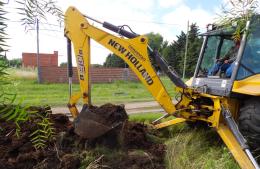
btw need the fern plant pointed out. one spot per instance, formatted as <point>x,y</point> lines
<point>3,35</point>
<point>17,113</point>
<point>45,132</point>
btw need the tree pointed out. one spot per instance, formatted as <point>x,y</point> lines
<point>3,49</point>
<point>155,41</point>
<point>239,12</point>
<point>3,35</point>
<point>193,52</point>
<point>113,60</point>
<point>170,55</point>
<point>64,64</point>
<point>15,62</point>
<point>174,53</point>
<point>30,10</point>
<point>96,65</point>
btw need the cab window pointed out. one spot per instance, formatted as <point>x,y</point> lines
<point>251,56</point>
<point>217,48</point>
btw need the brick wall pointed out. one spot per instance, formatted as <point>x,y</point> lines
<point>53,74</point>
<point>30,59</point>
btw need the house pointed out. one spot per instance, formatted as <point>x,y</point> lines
<point>30,59</point>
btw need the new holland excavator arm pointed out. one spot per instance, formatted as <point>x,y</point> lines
<point>134,50</point>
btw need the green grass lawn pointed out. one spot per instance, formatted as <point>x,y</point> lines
<point>198,148</point>
<point>27,88</point>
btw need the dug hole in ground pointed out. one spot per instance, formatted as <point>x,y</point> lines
<point>130,145</point>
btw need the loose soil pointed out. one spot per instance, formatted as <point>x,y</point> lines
<point>130,146</point>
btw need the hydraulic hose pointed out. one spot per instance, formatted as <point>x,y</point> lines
<point>69,65</point>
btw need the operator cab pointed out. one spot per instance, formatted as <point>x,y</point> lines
<point>212,74</point>
<point>216,49</point>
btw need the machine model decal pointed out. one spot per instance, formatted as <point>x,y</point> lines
<point>132,59</point>
<point>136,53</point>
<point>81,65</point>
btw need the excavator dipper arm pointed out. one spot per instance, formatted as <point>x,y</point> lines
<point>133,51</point>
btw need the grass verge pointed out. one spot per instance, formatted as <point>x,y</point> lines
<point>192,147</point>
<point>27,88</point>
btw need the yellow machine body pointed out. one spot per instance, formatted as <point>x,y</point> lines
<point>134,53</point>
<point>250,85</point>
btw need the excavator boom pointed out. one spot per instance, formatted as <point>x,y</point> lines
<point>195,104</point>
<point>132,48</point>
<point>134,51</point>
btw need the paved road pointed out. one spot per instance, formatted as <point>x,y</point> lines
<point>131,108</point>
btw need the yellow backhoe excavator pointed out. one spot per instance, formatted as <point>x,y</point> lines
<point>229,104</point>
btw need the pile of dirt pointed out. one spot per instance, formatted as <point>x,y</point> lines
<point>19,152</point>
<point>109,114</point>
<point>127,147</point>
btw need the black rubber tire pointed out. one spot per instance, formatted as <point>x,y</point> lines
<point>249,123</point>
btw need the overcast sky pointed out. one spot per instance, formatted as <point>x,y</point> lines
<point>167,17</point>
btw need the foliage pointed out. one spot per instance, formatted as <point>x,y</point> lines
<point>32,9</point>
<point>194,43</point>
<point>3,74</point>
<point>236,10</point>
<point>96,65</point>
<point>64,64</point>
<point>156,41</point>
<point>45,131</point>
<point>197,148</point>
<point>15,63</point>
<point>19,115</point>
<point>191,148</point>
<point>9,112</point>
<point>113,60</point>
<point>144,117</point>
<point>3,34</point>
<point>174,53</point>
<point>3,65</point>
<point>237,13</point>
